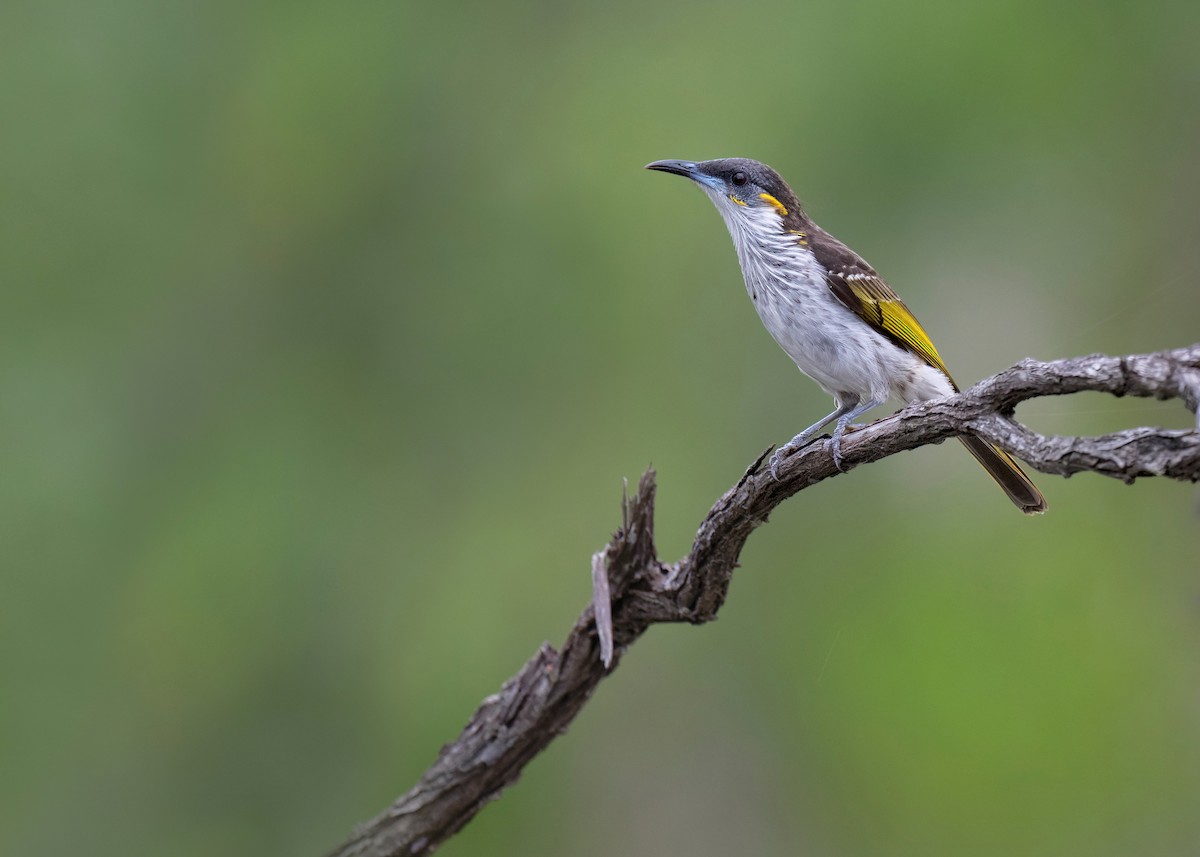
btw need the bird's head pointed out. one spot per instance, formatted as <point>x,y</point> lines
<point>748,194</point>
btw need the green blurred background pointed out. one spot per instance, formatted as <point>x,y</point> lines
<point>331,329</point>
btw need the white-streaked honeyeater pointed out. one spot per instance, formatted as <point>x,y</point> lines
<point>834,316</point>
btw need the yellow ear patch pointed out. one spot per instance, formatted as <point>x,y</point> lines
<point>738,201</point>
<point>774,203</point>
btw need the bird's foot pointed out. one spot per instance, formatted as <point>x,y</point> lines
<point>837,451</point>
<point>839,432</point>
<point>795,444</point>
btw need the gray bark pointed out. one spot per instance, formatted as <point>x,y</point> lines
<point>638,590</point>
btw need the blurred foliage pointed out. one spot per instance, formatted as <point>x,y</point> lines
<point>330,330</point>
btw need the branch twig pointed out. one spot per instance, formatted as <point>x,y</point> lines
<point>539,702</point>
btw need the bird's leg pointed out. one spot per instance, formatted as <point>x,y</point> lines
<point>843,423</point>
<point>805,437</point>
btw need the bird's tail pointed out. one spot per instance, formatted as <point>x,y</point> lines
<point>1001,467</point>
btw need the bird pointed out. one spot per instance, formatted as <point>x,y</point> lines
<point>831,312</point>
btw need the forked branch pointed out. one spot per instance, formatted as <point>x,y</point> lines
<point>637,590</point>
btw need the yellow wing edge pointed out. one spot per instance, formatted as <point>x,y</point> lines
<point>883,309</point>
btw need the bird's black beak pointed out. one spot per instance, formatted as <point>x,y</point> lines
<point>679,168</point>
<point>690,170</point>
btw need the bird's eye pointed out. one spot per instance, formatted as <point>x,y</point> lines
<point>739,178</point>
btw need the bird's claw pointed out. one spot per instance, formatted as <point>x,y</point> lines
<point>797,443</point>
<point>776,460</point>
<point>837,453</point>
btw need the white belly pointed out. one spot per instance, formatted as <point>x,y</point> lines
<point>829,343</point>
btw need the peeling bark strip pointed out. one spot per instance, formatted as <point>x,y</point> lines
<point>539,702</point>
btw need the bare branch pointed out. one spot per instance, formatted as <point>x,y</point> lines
<point>539,702</point>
